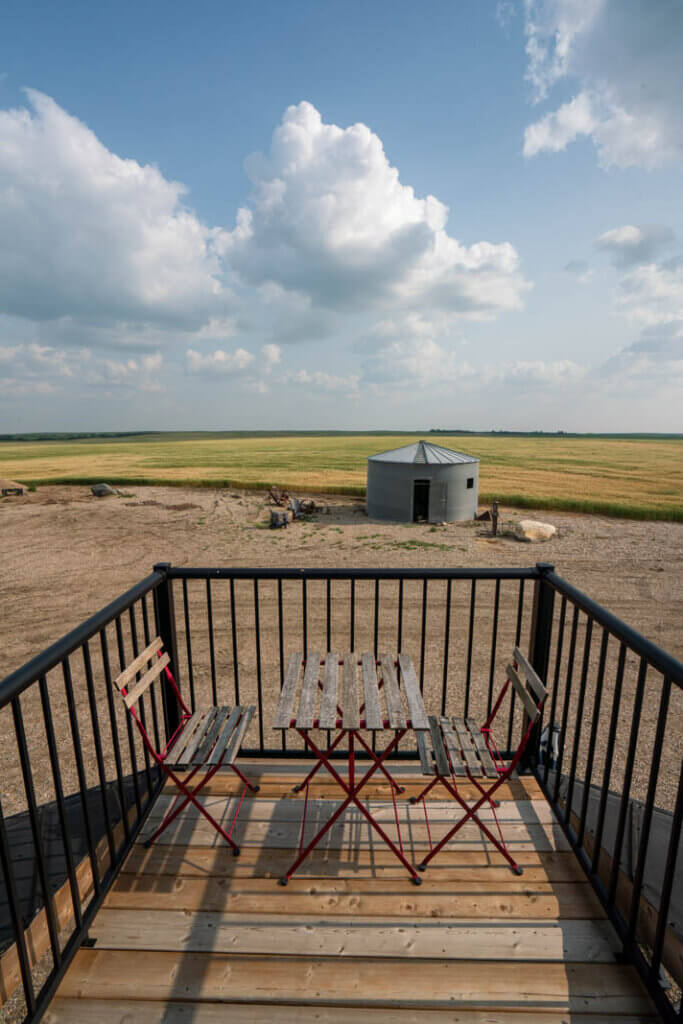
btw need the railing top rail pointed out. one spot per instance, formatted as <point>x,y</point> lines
<point>293,573</point>
<point>670,667</point>
<point>19,680</point>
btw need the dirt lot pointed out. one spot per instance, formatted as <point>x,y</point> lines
<point>64,553</point>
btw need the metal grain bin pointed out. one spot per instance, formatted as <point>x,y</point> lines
<point>422,482</point>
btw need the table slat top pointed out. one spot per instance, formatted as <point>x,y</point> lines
<point>331,690</point>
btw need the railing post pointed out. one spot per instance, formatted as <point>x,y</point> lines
<point>164,610</point>
<point>539,649</point>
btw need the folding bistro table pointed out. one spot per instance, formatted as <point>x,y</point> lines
<point>352,689</point>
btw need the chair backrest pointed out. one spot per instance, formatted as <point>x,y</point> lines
<point>527,685</point>
<point>155,654</point>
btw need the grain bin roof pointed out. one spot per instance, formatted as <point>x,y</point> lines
<point>422,451</point>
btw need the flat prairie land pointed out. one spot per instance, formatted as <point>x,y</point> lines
<point>631,478</point>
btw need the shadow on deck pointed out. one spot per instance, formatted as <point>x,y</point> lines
<point>189,933</point>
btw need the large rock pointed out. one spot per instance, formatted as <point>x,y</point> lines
<point>102,490</point>
<point>530,529</point>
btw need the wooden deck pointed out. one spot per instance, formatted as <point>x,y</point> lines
<point>191,934</point>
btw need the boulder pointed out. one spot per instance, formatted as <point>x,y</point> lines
<point>530,529</point>
<point>102,490</point>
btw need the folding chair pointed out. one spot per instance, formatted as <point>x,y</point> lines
<point>208,738</point>
<point>462,750</point>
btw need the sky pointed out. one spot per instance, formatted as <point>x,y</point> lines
<point>315,214</point>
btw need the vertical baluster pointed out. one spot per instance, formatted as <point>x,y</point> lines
<point>470,640</point>
<point>446,647</point>
<point>649,807</point>
<point>188,646</point>
<point>609,755</point>
<point>494,641</point>
<point>99,760</point>
<point>212,652</point>
<point>141,702</point>
<point>257,637</point>
<point>668,881</point>
<point>152,690</point>
<point>567,698</point>
<point>400,616</point>
<point>34,820</point>
<point>16,916</point>
<point>556,683</point>
<point>304,604</point>
<point>59,795</point>
<point>233,627</point>
<point>375,631</point>
<point>82,782</point>
<point>628,776</point>
<point>579,719</point>
<point>109,686</point>
<point>423,633</point>
<point>281,640</point>
<point>129,728</point>
<point>593,737</point>
<point>513,694</point>
<point>352,624</point>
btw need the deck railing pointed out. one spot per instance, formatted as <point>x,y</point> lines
<point>77,784</point>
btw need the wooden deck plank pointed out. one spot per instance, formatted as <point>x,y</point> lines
<point>531,812</point>
<point>333,897</point>
<point>285,707</point>
<point>203,931</point>
<point>109,974</point>
<point>450,866</point>
<point>328,703</point>
<point>373,708</point>
<point>309,691</point>
<point>143,1011</point>
<point>354,831</point>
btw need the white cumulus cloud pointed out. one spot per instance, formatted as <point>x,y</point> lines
<point>330,219</point>
<point>624,58</point>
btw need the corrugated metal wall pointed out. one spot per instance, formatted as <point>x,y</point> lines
<point>390,489</point>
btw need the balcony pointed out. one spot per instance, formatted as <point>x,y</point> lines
<point>96,927</point>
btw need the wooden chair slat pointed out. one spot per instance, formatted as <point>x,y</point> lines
<point>236,741</point>
<point>468,750</point>
<point>328,702</point>
<point>483,752</point>
<point>226,732</point>
<point>527,700</point>
<point>418,716</point>
<point>438,747</point>
<point>373,708</point>
<point>349,703</point>
<point>309,691</point>
<point>425,755</point>
<point>285,707</point>
<point>174,754</point>
<point>137,691</point>
<point>210,736</point>
<point>129,673</point>
<point>534,680</point>
<point>392,693</point>
<point>198,735</point>
<point>453,747</point>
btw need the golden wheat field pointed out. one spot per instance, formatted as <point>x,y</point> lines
<point>636,478</point>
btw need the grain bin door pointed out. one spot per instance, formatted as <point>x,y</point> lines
<point>420,501</point>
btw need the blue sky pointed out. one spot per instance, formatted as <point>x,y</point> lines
<point>353,215</point>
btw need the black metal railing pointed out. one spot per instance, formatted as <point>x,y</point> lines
<point>616,711</point>
<point>605,753</point>
<point>76,789</point>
